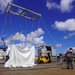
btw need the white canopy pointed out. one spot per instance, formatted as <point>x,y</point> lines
<point>20,57</point>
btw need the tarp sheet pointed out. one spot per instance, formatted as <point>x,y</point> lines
<point>20,57</point>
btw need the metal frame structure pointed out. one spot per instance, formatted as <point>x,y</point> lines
<point>23,12</point>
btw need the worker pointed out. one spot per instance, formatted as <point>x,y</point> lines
<point>61,58</point>
<point>69,59</point>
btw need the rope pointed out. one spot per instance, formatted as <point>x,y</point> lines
<point>39,22</point>
<point>10,23</point>
<point>33,24</point>
<point>4,25</point>
<point>48,31</point>
<point>20,24</point>
<point>23,26</point>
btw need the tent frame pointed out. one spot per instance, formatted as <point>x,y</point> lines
<point>24,12</point>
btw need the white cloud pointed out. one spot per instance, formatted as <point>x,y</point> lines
<point>28,44</point>
<point>72,48</point>
<point>21,45</point>
<point>3,4</point>
<point>64,6</point>
<point>70,35</point>
<point>8,40</point>
<point>1,42</point>
<point>51,5</point>
<point>39,40</point>
<point>33,38</point>
<point>58,45</point>
<point>68,49</point>
<point>19,37</point>
<point>36,33</point>
<point>68,25</point>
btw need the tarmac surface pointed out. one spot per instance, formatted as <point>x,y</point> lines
<point>53,68</point>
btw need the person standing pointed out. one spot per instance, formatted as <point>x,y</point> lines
<point>69,59</point>
<point>61,58</point>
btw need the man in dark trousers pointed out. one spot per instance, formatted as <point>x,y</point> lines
<point>69,56</point>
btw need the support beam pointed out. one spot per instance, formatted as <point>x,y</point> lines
<point>24,12</point>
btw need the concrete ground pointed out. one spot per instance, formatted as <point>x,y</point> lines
<point>40,69</point>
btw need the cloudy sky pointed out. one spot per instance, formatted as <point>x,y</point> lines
<point>55,27</point>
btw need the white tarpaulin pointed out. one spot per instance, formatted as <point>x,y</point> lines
<point>20,57</point>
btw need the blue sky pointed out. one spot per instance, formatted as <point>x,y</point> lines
<point>56,27</point>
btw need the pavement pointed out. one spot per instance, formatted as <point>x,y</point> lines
<point>39,69</point>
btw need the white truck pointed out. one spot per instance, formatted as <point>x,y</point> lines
<point>47,51</point>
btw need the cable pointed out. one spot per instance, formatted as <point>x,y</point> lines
<point>48,31</point>
<point>4,25</point>
<point>39,21</point>
<point>20,24</point>
<point>32,24</point>
<point>10,23</point>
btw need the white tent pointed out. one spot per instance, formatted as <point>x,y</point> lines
<point>20,57</point>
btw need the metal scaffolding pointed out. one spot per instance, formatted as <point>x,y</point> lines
<point>23,12</point>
